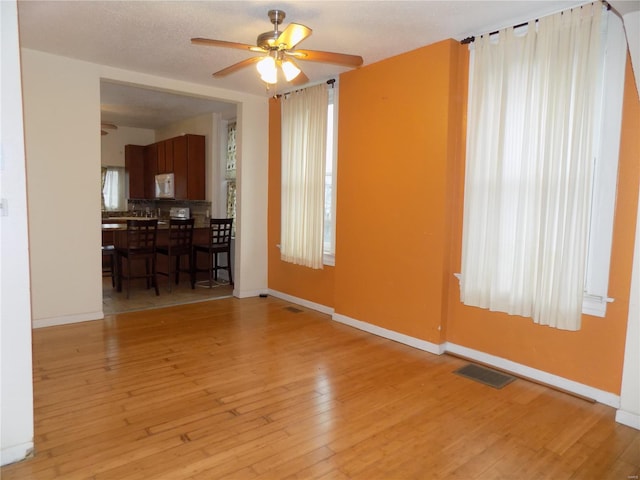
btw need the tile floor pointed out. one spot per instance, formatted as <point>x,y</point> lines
<point>142,299</point>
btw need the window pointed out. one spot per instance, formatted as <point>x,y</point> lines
<point>543,134</point>
<point>230,173</point>
<point>304,177</point>
<point>329,241</point>
<point>113,189</point>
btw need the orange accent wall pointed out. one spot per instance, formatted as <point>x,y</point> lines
<point>399,221</point>
<point>397,131</point>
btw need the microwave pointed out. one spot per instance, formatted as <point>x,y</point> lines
<point>165,186</point>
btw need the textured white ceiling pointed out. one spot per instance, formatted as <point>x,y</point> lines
<point>154,36</point>
<point>129,106</point>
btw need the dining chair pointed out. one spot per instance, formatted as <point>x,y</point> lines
<point>141,246</point>
<point>109,262</point>
<point>179,244</point>
<point>219,242</point>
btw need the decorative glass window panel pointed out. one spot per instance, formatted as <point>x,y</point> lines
<point>230,174</point>
<point>230,171</point>
<point>231,203</point>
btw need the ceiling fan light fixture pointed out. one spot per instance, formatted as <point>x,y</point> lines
<point>290,70</point>
<point>276,46</point>
<point>268,70</point>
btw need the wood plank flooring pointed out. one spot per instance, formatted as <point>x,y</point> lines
<point>249,389</point>
<point>141,298</point>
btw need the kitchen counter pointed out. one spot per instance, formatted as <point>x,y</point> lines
<point>120,223</point>
<point>114,232</point>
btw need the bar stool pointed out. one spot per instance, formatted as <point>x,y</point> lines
<point>141,245</point>
<point>219,242</point>
<point>180,244</point>
<point>109,253</point>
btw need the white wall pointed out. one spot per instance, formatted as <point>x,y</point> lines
<point>112,144</point>
<point>16,390</point>
<point>629,412</point>
<point>62,118</point>
<point>200,125</point>
<point>62,134</point>
<point>251,200</point>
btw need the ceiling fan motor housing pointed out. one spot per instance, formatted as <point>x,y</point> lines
<point>276,17</point>
<point>267,40</point>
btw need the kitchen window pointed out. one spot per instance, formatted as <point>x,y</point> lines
<point>113,189</point>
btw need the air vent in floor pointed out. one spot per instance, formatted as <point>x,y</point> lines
<point>485,375</point>
<point>293,309</point>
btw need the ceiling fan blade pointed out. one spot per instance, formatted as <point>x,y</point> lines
<point>222,43</point>
<point>301,79</point>
<point>237,66</point>
<point>327,57</point>
<point>292,35</point>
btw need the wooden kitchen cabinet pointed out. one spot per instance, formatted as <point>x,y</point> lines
<point>164,152</point>
<point>168,156</point>
<point>134,171</point>
<point>160,157</point>
<point>150,170</point>
<point>196,187</point>
<point>180,168</point>
<point>184,156</point>
<point>188,163</point>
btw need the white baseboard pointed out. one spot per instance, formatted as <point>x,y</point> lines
<point>390,334</point>
<point>302,302</point>
<point>247,293</point>
<point>517,369</point>
<point>629,419</point>
<point>66,319</point>
<point>15,453</point>
<point>540,376</point>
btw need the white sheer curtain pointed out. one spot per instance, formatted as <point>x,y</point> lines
<point>113,188</point>
<point>304,132</point>
<point>529,168</point>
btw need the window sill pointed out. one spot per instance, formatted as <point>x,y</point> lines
<point>329,259</point>
<point>593,305</point>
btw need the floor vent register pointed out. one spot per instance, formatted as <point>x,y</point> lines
<point>485,375</point>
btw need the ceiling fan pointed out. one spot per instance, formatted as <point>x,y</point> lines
<point>280,53</point>
<point>107,126</point>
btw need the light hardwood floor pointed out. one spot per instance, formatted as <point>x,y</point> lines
<point>249,389</point>
<point>142,298</point>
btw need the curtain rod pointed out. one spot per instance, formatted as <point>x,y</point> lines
<point>472,38</point>
<point>329,82</point>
